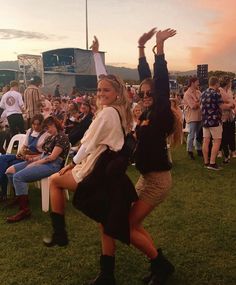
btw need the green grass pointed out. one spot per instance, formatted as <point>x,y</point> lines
<point>195,226</point>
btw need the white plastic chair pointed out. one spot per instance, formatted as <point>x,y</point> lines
<point>20,138</point>
<point>44,185</point>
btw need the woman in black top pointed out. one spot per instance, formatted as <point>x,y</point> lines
<point>155,125</point>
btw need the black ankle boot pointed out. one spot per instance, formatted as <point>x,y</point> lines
<point>106,275</point>
<point>190,153</point>
<point>161,269</point>
<point>199,153</point>
<point>59,236</point>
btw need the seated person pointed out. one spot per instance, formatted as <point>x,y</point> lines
<point>84,121</point>
<point>57,110</point>
<point>32,147</point>
<point>72,116</point>
<point>55,150</point>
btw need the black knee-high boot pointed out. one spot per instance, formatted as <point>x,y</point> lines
<point>59,236</point>
<point>106,275</point>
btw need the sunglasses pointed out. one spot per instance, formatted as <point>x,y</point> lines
<point>109,77</point>
<point>147,93</point>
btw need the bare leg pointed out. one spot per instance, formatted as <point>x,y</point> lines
<point>140,238</point>
<point>108,243</point>
<point>205,149</point>
<point>57,185</point>
<point>214,150</point>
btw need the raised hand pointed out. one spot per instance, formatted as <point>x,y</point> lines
<point>95,45</point>
<point>161,36</point>
<point>146,37</point>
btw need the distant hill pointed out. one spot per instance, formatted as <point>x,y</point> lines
<point>123,72</point>
<point>9,65</point>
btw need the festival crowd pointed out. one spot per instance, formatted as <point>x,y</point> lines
<point>94,129</point>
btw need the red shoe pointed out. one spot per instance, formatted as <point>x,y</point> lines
<point>21,215</point>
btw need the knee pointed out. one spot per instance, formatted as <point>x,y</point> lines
<point>53,179</point>
<point>10,170</point>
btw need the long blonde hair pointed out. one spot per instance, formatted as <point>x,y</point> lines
<point>122,103</point>
<point>176,137</point>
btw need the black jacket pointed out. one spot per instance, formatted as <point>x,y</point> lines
<point>151,154</point>
<point>106,195</point>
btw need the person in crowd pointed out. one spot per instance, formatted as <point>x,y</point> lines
<point>57,110</point>
<point>57,92</point>
<point>5,135</point>
<point>71,118</point>
<point>75,93</point>
<point>83,122</point>
<point>13,105</point>
<point>32,99</point>
<point>228,120</point>
<point>211,107</point>
<point>174,138</point>
<point>55,150</point>
<point>104,135</point>
<point>31,148</point>
<point>192,113</point>
<point>136,111</point>
<point>46,107</point>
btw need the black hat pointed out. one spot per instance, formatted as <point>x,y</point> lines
<point>36,80</point>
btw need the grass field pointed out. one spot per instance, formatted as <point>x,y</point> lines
<point>195,226</point>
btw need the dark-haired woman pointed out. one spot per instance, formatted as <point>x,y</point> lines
<point>32,147</point>
<point>55,149</point>
<point>156,123</point>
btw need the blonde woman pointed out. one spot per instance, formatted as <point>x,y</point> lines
<point>104,134</point>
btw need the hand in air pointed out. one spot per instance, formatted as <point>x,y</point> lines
<point>161,36</point>
<point>146,37</point>
<point>95,45</point>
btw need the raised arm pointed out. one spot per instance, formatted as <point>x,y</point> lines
<point>161,76</point>
<point>143,67</point>
<point>99,65</point>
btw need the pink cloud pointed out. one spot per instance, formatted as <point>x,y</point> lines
<point>220,48</point>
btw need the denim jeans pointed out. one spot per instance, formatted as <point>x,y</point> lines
<point>25,174</point>
<point>6,160</point>
<point>194,128</point>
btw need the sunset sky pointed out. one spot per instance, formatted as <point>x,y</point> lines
<point>206,29</point>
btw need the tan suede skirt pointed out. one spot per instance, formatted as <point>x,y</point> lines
<point>153,187</point>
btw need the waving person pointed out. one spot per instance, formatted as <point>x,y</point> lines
<point>103,139</point>
<point>156,123</point>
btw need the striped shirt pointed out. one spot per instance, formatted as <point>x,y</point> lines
<point>32,100</point>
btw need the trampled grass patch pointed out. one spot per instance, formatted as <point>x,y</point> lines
<point>195,227</point>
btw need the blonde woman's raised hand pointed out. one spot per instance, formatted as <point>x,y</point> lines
<point>161,36</point>
<point>146,37</point>
<point>95,45</point>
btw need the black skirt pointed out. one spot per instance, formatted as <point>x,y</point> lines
<point>106,195</point>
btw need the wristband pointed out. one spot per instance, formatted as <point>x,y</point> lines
<point>153,49</point>
<point>141,46</point>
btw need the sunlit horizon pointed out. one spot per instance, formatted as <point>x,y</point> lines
<point>204,30</point>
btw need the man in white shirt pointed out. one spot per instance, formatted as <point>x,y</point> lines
<point>12,103</point>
